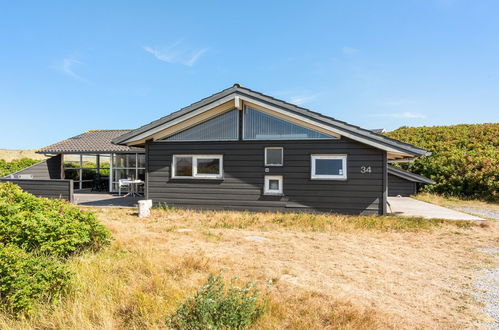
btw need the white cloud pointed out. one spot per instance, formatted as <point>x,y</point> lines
<point>347,50</point>
<point>67,65</point>
<point>302,99</point>
<point>406,114</point>
<point>175,53</point>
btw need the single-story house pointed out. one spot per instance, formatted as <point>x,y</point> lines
<point>241,149</point>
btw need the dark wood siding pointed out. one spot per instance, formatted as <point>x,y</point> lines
<point>398,186</point>
<point>45,188</point>
<point>46,169</point>
<point>244,171</point>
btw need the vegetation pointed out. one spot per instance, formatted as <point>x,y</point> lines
<point>15,165</point>
<point>215,307</point>
<point>37,235</point>
<point>464,160</point>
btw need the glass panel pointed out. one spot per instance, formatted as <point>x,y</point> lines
<point>89,161</point>
<point>328,167</point>
<point>87,184</point>
<point>208,165</point>
<point>262,126</point>
<point>105,163</point>
<point>274,184</point>
<point>141,158</point>
<point>72,174</point>
<point>71,161</point>
<point>183,166</point>
<point>88,174</point>
<point>141,175</point>
<point>274,156</point>
<point>124,160</point>
<point>123,174</point>
<point>223,127</point>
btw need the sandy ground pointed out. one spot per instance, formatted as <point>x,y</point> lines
<point>10,155</point>
<point>419,280</point>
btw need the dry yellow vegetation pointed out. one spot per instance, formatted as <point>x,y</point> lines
<point>315,271</point>
<point>10,155</point>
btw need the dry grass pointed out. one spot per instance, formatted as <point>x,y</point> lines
<point>10,155</point>
<point>317,271</point>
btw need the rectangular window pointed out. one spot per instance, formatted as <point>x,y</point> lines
<point>273,156</point>
<point>197,166</point>
<point>273,185</point>
<point>329,167</point>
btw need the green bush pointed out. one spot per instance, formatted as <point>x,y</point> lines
<point>26,278</point>
<point>15,165</point>
<point>464,160</point>
<point>215,307</point>
<point>48,226</point>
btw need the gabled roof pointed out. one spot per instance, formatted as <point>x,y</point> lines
<point>396,149</point>
<point>94,141</point>
<point>408,175</point>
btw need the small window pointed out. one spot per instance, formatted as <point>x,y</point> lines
<point>329,167</point>
<point>273,156</point>
<point>197,166</point>
<point>273,185</point>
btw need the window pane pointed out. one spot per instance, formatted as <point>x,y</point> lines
<point>259,125</point>
<point>88,174</point>
<point>274,156</point>
<point>141,158</point>
<point>208,166</point>
<point>72,174</point>
<point>328,167</point>
<point>124,160</point>
<point>89,161</point>
<point>71,161</point>
<point>141,174</point>
<point>123,174</point>
<point>183,166</point>
<point>105,162</point>
<point>274,185</point>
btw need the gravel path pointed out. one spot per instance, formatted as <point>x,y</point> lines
<point>491,214</point>
<point>487,291</point>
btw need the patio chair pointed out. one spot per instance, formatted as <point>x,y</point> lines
<point>123,183</point>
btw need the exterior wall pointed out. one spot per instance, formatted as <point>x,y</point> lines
<point>49,188</point>
<point>244,171</point>
<point>46,169</point>
<point>398,186</point>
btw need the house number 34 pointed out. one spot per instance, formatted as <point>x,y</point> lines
<point>365,169</point>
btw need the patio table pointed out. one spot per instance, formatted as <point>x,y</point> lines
<point>133,187</point>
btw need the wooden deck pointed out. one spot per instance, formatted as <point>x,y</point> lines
<point>105,199</point>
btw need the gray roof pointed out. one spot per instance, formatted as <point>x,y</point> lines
<point>408,175</point>
<point>353,131</point>
<point>377,130</point>
<point>94,141</point>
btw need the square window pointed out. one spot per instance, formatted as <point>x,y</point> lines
<point>274,156</point>
<point>273,185</point>
<point>329,167</point>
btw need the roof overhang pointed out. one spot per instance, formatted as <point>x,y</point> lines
<point>409,176</point>
<point>236,97</point>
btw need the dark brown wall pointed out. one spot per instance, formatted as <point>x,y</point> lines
<point>242,185</point>
<point>49,188</point>
<point>46,169</point>
<point>398,186</point>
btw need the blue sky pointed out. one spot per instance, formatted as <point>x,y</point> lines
<point>67,67</point>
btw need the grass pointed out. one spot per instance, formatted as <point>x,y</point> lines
<point>314,271</point>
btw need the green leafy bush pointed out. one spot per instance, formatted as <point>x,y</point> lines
<point>15,165</point>
<point>464,160</point>
<point>48,226</point>
<point>215,307</point>
<point>25,278</point>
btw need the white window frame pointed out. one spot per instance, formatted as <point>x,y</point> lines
<point>282,156</point>
<point>314,176</point>
<point>266,186</point>
<point>195,174</point>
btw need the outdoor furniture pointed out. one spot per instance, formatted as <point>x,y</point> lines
<point>133,184</point>
<point>25,176</point>
<point>123,183</point>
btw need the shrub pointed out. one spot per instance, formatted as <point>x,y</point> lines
<point>215,307</point>
<point>464,160</point>
<point>48,226</point>
<point>26,278</point>
<point>15,165</point>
